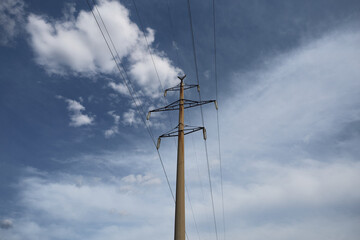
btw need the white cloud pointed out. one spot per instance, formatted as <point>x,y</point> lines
<point>76,116</point>
<point>303,99</point>
<point>265,205</point>
<point>120,88</point>
<point>130,118</point>
<point>78,119</point>
<point>146,179</point>
<point>11,19</point>
<point>115,128</point>
<point>74,105</point>
<point>290,145</point>
<point>76,45</point>
<point>111,132</point>
<point>143,71</point>
<point>307,185</point>
<point>111,206</point>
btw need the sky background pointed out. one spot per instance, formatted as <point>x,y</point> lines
<point>76,161</point>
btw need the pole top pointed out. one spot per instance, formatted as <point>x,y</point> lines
<point>182,78</point>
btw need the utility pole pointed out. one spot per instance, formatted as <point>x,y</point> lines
<point>180,172</point>
<point>180,131</point>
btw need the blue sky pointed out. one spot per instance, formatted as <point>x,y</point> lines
<point>76,161</point>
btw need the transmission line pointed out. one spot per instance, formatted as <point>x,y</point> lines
<point>129,88</point>
<point>179,63</point>
<point>147,43</point>
<point>151,56</point>
<point>217,118</point>
<point>202,115</point>
<point>188,195</point>
<point>135,98</point>
<point>173,32</point>
<point>157,74</point>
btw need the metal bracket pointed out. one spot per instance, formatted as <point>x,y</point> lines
<point>176,106</point>
<point>175,132</point>
<point>177,88</point>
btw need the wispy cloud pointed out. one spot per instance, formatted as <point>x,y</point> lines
<point>120,88</point>
<point>146,179</point>
<point>115,128</point>
<point>77,117</point>
<point>299,103</point>
<point>290,134</point>
<point>290,144</point>
<point>130,118</point>
<point>12,16</point>
<point>6,224</point>
<point>110,205</point>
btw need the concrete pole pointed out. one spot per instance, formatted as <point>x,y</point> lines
<point>180,178</point>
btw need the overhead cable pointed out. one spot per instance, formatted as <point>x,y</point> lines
<point>202,115</point>
<point>217,118</point>
<point>129,88</point>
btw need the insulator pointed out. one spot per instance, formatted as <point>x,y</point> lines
<point>165,93</point>
<point>158,143</point>
<point>216,105</point>
<point>204,133</point>
<point>148,116</point>
<point>198,88</point>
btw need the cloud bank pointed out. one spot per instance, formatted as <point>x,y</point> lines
<point>75,44</point>
<point>300,102</point>
<point>290,137</point>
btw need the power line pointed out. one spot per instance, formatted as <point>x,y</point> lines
<point>157,74</point>
<point>179,63</point>
<point>192,210</point>
<point>151,56</point>
<point>147,43</point>
<point>197,165</point>
<point>202,115</point>
<point>129,89</point>
<point>173,32</point>
<point>217,117</point>
<point>135,99</point>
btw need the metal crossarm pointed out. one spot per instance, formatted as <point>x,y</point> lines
<point>175,132</point>
<point>190,103</point>
<point>185,86</point>
<point>187,104</point>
